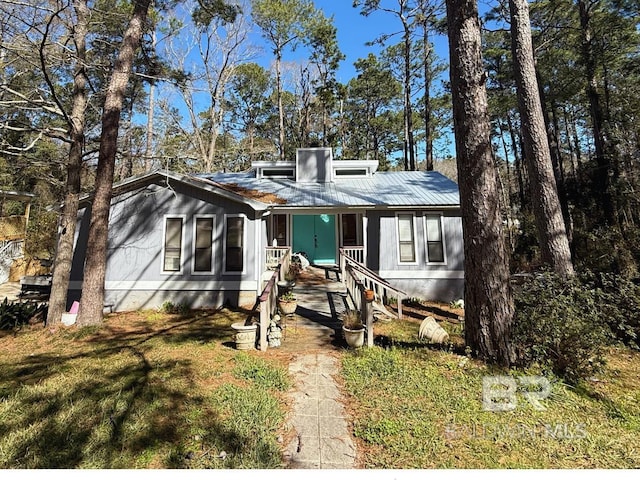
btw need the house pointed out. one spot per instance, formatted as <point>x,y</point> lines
<point>202,239</point>
<point>13,228</point>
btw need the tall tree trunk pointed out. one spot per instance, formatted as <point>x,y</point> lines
<point>92,301</point>
<point>517,161</point>
<point>488,297</point>
<point>148,151</point>
<point>546,205</point>
<point>408,113</point>
<point>68,219</point>
<point>280,105</point>
<point>602,180</point>
<point>428,136</point>
<point>558,169</point>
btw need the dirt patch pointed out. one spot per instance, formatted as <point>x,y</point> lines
<point>441,312</point>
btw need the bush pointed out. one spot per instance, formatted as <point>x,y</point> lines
<point>559,326</point>
<point>171,308</point>
<point>14,315</point>
<point>618,300</point>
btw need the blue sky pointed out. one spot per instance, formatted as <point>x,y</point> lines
<point>354,30</point>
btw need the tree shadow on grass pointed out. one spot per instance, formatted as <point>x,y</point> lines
<point>388,342</point>
<point>114,402</point>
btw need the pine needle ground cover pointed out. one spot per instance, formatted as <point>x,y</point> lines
<point>145,390</point>
<point>421,407</point>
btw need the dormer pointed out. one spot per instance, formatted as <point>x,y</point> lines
<point>316,165</point>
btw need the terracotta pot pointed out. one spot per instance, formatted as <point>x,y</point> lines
<point>369,295</point>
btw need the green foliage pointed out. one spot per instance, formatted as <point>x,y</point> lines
<point>13,315</point>
<point>619,303</point>
<point>259,371</point>
<point>559,327</point>
<point>288,296</point>
<point>171,308</point>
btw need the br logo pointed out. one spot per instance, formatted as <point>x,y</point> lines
<point>500,392</point>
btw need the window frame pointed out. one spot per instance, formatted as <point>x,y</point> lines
<point>165,218</point>
<point>442,241</point>
<point>272,232</point>
<point>244,244</point>
<point>208,216</point>
<point>413,239</point>
<point>358,227</point>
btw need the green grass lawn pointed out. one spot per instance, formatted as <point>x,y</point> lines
<point>418,407</point>
<point>151,390</point>
<point>146,390</point>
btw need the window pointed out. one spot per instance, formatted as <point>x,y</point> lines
<point>352,172</point>
<point>278,173</point>
<point>172,257</point>
<point>234,244</point>
<point>280,229</point>
<point>406,238</point>
<point>203,241</point>
<point>350,230</point>
<point>435,240</point>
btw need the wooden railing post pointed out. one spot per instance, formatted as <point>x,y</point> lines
<point>264,324</point>
<point>367,317</point>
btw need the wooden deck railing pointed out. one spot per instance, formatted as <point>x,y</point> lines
<point>354,253</point>
<point>356,275</point>
<point>267,302</point>
<point>11,249</point>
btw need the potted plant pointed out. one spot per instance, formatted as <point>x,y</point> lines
<point>245,335</point>
<point>353,329</point>
<point>289,281</point>
<point>287,303</point>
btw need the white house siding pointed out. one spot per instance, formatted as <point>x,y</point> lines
<point>443,282</point>
<point>134,277</point>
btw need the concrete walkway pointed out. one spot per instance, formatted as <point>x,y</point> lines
<point>321,431</point>
<point>322,435</point>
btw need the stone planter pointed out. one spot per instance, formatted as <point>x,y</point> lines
<point>245,335</point>
<point>354,336</point>
<point>432,332</point>
<point>287,307</point>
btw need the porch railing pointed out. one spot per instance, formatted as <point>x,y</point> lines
<point>355,253</point>
<point>356,275</point>
<point>275,255</point>
<point>11,249</point>
<point>267,303</point>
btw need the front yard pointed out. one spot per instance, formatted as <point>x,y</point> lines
<point>151,390</point>
<point>147,390</point>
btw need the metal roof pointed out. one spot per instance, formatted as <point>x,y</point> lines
<point>383,189</point>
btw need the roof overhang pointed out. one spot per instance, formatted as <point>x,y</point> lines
<point>167,177</point>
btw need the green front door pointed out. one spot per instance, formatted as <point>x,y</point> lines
<point>316,236</point>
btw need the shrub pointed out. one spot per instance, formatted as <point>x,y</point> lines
<point>14,315</point>
<point>558,326</point>
<point>171,308</point>
<point>618,300</point>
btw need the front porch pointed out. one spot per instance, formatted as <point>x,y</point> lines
<point>323,293</point>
